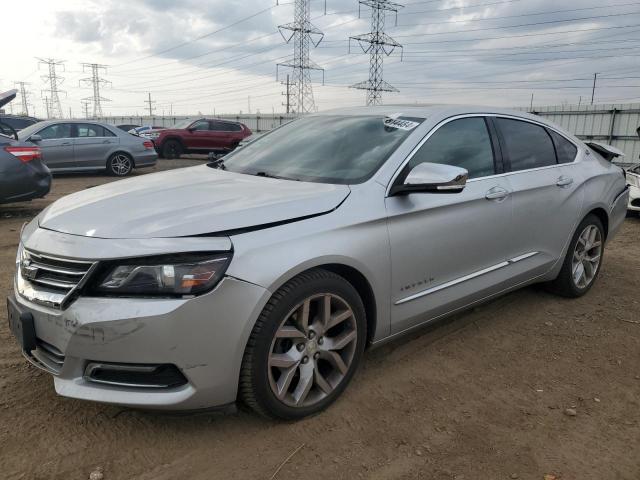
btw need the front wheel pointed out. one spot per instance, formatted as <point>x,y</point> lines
<point>171,149</point>
<point>583,260</point>
<point>120,165</point>
<point>304,348</point>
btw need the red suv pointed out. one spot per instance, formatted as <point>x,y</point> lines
<point>198,136</point>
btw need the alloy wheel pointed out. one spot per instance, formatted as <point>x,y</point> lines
<point>313,350</point>
<point>121,165</point>
<point>586,256</point>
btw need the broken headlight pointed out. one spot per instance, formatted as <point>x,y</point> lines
<point>162,276</point>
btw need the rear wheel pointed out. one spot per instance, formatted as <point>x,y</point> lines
<point>120,164</point>
<point>304,348</point>
<point>584,257</point>
<point>171,149</point>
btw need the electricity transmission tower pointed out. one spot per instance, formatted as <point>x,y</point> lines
<point>95,82</point>
<point>302,33</point>
<point>54,107</point>
<point>85,107</point>
<point>378,45</point>
<point>24,97</point>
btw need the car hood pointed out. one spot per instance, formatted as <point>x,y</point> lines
<point>188,202</point>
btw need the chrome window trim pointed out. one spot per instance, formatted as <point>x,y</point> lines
<point>465,278</point>
<point>474,115</point>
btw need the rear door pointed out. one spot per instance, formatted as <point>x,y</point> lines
<point>93,145</point>
<point>450,249</point>
<point>57,146</point>
<point>546,193</point>
<point>225,135</point>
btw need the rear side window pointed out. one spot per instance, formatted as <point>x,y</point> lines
<point>18,123</point>
<point>59,130</point>
<point>225,127</point>
<point>526,145</point>
<point>461,143</point>
<point>91,130</point>
<point>565,150</point>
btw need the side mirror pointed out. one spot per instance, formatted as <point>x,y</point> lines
<point>432,178</point>
<point>35,138</point>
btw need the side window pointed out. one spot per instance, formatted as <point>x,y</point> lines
<point>52,132</point>
<point>90,130</point>
<point>461,143</point>
<point>225,127</point>
<point>565,150</point>
<point>526,145</point>
<point>200,125</point>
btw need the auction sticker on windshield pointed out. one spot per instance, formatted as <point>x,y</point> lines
<point>397,121</point>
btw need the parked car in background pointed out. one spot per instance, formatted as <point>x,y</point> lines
<point>144,130</point>
<point>11,124</point>
<point>23,175</point>
<point>127,127</point>
<point>198,136</point>
<point>264,275</point>
<point>633,179</point>
<point>81,145</point>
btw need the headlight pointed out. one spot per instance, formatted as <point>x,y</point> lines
<point>152,135</point>
<point>185,274</point>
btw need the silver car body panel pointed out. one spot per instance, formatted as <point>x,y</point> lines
<point>423,256</point>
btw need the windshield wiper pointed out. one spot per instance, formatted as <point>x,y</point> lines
<point>270,175</point>
<point>217,163</point>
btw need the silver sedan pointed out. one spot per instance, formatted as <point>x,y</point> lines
<point>82,145</point>
<point>263,276</point>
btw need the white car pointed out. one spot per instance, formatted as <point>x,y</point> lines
<point>633,179</point>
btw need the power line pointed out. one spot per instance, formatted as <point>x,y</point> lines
<point>378,45</point>
<point>302,34</point>
<point>52,100</point>
<point>95,82</point>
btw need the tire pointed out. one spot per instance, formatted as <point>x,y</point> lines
<point>171,149</point>
<point>580,268</point>
<point>280,361</point>
<point>120,164</point>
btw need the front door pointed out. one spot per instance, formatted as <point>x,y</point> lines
<point>450,249</point>
<point>57,146</point>
<point>198,135</point>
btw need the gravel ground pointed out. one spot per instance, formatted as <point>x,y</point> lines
<point>526,386</point>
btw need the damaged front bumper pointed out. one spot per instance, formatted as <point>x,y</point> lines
<point>170,353</point>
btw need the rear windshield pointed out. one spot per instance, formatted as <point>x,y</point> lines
<point>324,149</point>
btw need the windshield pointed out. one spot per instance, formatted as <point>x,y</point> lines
<point>182,123</point>
<point>324,149</point>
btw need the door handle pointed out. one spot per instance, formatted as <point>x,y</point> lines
<point>564,181</point>
<point>106,141</point>
<point>497,193</point>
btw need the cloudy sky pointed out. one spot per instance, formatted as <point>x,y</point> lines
<point>221,55</point>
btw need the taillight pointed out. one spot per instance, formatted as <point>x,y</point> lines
<point>148,145</point>
<point>25,154</point>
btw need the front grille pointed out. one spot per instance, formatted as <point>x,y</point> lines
<point>51,280</point>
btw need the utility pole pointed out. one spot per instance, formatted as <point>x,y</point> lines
<point>593,90</point>
<point>531,107</point>
<point>302,33</point>
<point>378,45</point>
<point>54,107</point>
<point>47,107</point>
<point>95,82</point>
<point>249,104</point>
<point>288,94</point>
<point>24,97</point>
<point>85,108</point>
<point>150,105</point>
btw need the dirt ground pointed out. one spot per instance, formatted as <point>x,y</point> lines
<point>482,395</point>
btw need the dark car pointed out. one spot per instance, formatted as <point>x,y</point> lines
<point>203,135</point>
<point>11,124</point>
<point>23,175</point>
